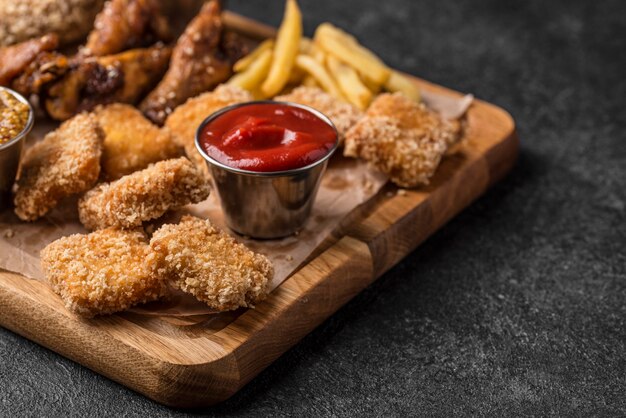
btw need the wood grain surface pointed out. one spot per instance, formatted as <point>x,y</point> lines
<point>195,362</point>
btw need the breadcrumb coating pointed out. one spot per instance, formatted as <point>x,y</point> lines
<point>65,162</point>
<point>185,119</point>
<point>25,19</point>
<point>131,142</point>
<point>343,115</point>
<point>402,139</point>
<point>143,195</point>
<point>211,265</point>
<point>103,272</point>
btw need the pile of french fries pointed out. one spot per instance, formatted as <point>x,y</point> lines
<point>333,61</point>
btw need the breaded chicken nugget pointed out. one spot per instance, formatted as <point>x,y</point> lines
<point>65,162</point>
<point>211,265</point>
<point>402,139</point>
<point>343,115</point>
<point>132,142</point>
<point>143,195</point>
<point>186,118</point>
<point>104,272</point>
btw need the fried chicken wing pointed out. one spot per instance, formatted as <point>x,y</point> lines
<point>401,138</point>
<point>211,265</point>
<point>14,59</point>
<point>342,114</point>
<point>123,78</point>
<point>44,70</point>
<point>184,121</point>
<point>202,59</point>
<point>103,272</point>
<point>143,195</point>
<point>132,142</point>
<point>126,24</point>
<point>65,162</point>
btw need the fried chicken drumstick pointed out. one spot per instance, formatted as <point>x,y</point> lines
<point>202,59</point>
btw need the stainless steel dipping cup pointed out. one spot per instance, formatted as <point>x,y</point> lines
<point>266,204</point>
<point>11,152</point>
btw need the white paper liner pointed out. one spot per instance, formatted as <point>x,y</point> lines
<point>347,184</point>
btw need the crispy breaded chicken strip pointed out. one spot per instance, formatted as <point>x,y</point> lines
<point>143,195</point>
<point>211,265</point>
<point>402,139</point>
<point>103,272</point>
<point>126,24</point>
<point>65,162</point>
<point>131,142</point>
<point>201,60</point>
<point>343,115</point>
<point>186,118</point>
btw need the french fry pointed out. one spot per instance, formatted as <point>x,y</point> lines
<point>318,53</point>
<point>400,83</point>
<point>305,45</point>
<point>245,62</point>
<point>371,85</point>
<point>255,73</point>
<point>309,81</point>
<point>319,73</point>
<point>347,49</point>
<point>285,51</point>
<point>349,82</point>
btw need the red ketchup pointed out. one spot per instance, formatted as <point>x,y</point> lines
<point>267,137</point>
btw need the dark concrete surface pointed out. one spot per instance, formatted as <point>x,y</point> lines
<point>518,306</point>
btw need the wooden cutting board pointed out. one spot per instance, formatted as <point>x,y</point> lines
<point>194,362</point>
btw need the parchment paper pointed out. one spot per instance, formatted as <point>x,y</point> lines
<point>346,185</point>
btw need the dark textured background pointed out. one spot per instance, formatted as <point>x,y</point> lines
<point>518,306</point>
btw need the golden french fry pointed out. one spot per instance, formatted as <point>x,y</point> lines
<point>309,81</point>
<point>255,73</point>
<point>245,62</point>
<point>296,76</point>
<point>349,82</point>
<point>319,73</point>
<point>285,51</point>
<point>305,45</point>
<point>371,85</point>
<point>346,48</point>
<point>399,82</point>
<point>318,53</point>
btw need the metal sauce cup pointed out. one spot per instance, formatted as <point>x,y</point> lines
<point>266,204</point>
<point>11,152</point>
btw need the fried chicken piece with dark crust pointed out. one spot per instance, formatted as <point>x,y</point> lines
<point>211,265</point>
<point>127,24</point>
<point>15,58</point>
<point>103,272</point>
<point>202,58</point>
<point>122,78</point>
<point>65,162</point>
<point>44,70</point>
<point>143,195</point>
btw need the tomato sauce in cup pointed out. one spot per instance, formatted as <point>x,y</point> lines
<point>267,137</point>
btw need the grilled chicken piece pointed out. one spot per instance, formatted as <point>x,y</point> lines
<point>125,24</point>
<point>202,58</point>
<point>122,78</point>
<point>45,69</point>
<point>14,59</point>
